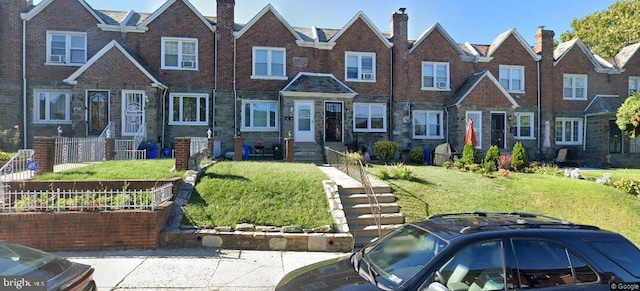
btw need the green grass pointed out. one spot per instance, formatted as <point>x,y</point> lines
<point>615,173</point>
<point>439,190</point>
<point>261,193</point>
<point>115,170</point>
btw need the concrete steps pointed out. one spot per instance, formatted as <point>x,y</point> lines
<point>363,198</point>
<point>308,152</point>
<point>369,219</point>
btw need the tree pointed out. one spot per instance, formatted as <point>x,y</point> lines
<point>628,116</point>
<point>606,32</point>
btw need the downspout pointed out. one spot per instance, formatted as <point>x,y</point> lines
<point>235,92</point>
<point>24,82</point>
<point>584,136</point>
<point>164,117</point>
<point>446,110</point>
<point>390,113</point>
<point>215,86</point>
<point>539,111</point>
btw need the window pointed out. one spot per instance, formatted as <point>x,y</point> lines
<point>259,116</point>
<point>269,63</point>
<point>476,116</point>
<point>66,48</point>
<point>575,87</point>
<point>360,67</point>
<point>623,253</point>
<point>189,109</point>
<point>479,266</point>
<point>545,264</point>
<point>369,117</point>
<point>52,107</point>
<point>569,131</point>
<point>179,53</point>
<point>524,125</point>
<point>512,78</point>
<point>427,124</point>
<point>634,85</point>
<point>435,76</point>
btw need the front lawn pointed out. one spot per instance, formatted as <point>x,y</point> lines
<point>615,173</point>
<point>444,191</point>
<point>156,169</point>
<point>261,193</point>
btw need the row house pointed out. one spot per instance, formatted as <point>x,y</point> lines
<point>176,72</point>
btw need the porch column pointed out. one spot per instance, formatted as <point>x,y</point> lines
<point>238,142</point>
<point>109,149</point>
<point>45,152</point>
<point>290,149</point>
<point>183,150</point>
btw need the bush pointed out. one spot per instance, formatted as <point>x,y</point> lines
<point>353,158</point>
<point>490,166</point>
<point>491,159</point>
<point>447,165</point>
<point>504,162</point>
<point>5,156</point>
<point>401,172</point>
<point>416,156</point>
<point>469,154</point>
<point>546,169</point>
<point>504,173</point>
<point>386,150</point>
<point>631,186</point>
<point>10,139</point>
<point>474,167</point>
<point>459,164</point>
<point>519,158</point>
<point>383,173</point>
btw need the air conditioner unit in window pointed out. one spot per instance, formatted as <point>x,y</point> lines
<point>441,85</point>
<point>188,64</point>
<point>367,76</point>
<point>56,59</point>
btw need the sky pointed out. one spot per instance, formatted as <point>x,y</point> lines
<point>475,21</point>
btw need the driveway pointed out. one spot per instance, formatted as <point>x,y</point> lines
<point>195,269</point>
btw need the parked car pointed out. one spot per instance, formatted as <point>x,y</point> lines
<point>19,264</point>
<point>481,251</point>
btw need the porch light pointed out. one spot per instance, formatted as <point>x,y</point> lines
<point>59,130</point>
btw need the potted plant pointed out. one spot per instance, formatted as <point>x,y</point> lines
<point>607,164</point>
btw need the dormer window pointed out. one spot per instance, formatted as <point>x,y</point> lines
<point>179,53</point>
<point>66,48</point>
<point>360,67</point>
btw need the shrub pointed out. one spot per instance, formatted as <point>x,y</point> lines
<point>469,154</point>
<point>504,173</point>
<point>383,173</point>
<point>386,150</point>
<point>401,172</point>
<point>519,158</point>
<point>459,164</point>
<point>546,169</point>
<point>491,159</point>
<point>10,139</point>
<point>490,166</point>
<point>447,165</point>
<point>416,156</point>
<point>474,167</point>
<point>5,156</point>
<point>631,186</point>
<point>504,162</point>
<point>353,158</point>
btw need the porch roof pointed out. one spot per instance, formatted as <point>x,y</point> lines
<point>603,105</point>
<point>318,85</point>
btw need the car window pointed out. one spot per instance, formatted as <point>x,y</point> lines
<point>16,260</point>
<point>479,266</point>
<point>543,264</point>
<point>623,253</point>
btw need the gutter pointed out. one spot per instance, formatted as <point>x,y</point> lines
<point>235,92</point>
<point>390,112</point>
<point>24,82</point>
<point>215,86</point>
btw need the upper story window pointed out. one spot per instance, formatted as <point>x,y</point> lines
<point>575,87</point>
<point>512,78</point>
<point>435,76</point>
<point>189,109</point>
<point>259,115</point>
<point>269,63</point>
<point>427,124</point>
<point>370,117</point>
<point>524,125</point>
<point>179,53</point>
<point>52,107</point>
<point>66,48</point>
<point>569,131</point>
<point>360,67</point>
<point>634,85</point>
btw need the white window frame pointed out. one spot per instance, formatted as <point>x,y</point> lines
<point>511,69</point>
<point>180,65</point>
<point>573,88</point>
<point>253,128</point>
<point>435,87</point>
<point>359,55</point>
<point>635,81</point>
<point>369,129</point>
<point>426,134</point>
<point>183,96</point>
<point>67,56</point>
<point>519,125</point>
<point>269,75</point>
<point>37,110</point>
<point>477,123</point>
<point>580,122</point>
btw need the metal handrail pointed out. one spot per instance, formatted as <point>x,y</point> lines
<point>16,168</point>
<point>107,128</point>
<point>355,170</point>
<point>140,134</point>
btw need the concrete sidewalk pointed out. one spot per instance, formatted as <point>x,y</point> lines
<point>195,269</point>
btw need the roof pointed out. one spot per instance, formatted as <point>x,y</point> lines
<point>625,54</point>
<point>167,4</point>
<point>471,84</point>
<point>504,36</point>
<point>457,224</point>
<point>604,105</point>
<point>260,14</point>
<point>316,84</point>
<point>42,5</point>
<point>600,64</point>
<point>111,45</point>
<point>361,15</point>
<point>444,33</point>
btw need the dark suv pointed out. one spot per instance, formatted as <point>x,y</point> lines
<point>481,251</point>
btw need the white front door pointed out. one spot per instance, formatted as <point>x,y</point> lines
<point>132,111</point>
<point>303,121</point>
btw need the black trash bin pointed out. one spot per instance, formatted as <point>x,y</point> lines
<point>277,151</point>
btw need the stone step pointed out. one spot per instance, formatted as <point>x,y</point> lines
<point>364,198</point>
<point>308,158</point>
<point>364,219</point>
<point>350,208</point>
<point>360,190</point>
<point>362,241</point>
<point>372,230</point>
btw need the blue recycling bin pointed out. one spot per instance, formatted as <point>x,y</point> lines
<point>246,150</point>
<point>427,156</point>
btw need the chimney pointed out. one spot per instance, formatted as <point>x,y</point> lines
<point>399,37</point>
<point>544,41</point>
<point>399,22</point>
<point>225,28</point>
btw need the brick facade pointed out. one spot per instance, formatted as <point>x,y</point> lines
<point>225,69</point>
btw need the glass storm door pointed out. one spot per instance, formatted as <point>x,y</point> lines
<point>303,121</point>
<point>98,111</point>
<point>132,111</point>
<point>615,138</point>
<point>333,122</point>
<point>498,133</point>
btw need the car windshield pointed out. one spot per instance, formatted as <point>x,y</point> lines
<point>16,260</point>
<point>400,255</point>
